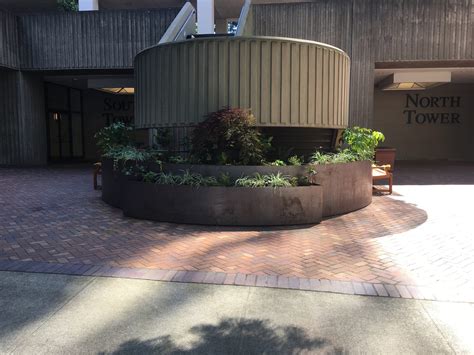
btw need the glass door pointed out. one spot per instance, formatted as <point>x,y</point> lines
<point>65,123</point>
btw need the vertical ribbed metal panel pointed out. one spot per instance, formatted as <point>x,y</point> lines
<point>22,121</point>
<point>9,56</point>
<point>89,40</point>
<point>277,78</point>
<point>362,88</point>
<point>422,29</point>
<point>9,142</point>
<point>374,31</point>
<point>326,21</point>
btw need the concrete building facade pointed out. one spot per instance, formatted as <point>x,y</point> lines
<point>63,75</point>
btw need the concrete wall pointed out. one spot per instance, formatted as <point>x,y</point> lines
<point>89,40</point>
<point>52,41</point>
<point>373,31</point>
<point>436,124</point>
<point>9,57</point>
<point>22,119</point>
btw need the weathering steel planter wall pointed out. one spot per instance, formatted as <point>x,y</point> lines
<point>342,188</point>
<point>226,206</point>
<point>346,187</point>
<point>111,183</point>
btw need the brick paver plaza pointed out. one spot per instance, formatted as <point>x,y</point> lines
<point>416,243</point>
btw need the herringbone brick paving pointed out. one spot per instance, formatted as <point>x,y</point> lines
<point>421,236</point>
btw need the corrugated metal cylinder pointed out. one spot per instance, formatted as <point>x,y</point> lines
<point>286,82</point>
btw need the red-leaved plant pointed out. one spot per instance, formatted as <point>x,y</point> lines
<point>229,136</point>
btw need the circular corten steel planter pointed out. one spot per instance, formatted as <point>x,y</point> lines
<point>346,186</point>
<point>111,184</point>
<point>225,206</point>
<point>342,188</point>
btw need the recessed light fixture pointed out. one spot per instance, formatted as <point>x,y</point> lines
<point>113,85</point>
<point>118,91</point>
<point>415,80</point>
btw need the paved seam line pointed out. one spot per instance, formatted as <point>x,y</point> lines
<point>438,328</point>
<point>239,279</point>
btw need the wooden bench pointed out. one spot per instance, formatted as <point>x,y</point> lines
<point>382,172</point>
<point>97,172</point>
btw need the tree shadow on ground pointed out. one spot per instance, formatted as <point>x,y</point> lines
<point>234,336</point>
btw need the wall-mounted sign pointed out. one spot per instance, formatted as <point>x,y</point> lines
<point>434,109</point>
<point>118,110</point>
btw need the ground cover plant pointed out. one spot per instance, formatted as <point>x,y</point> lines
<point>187,178</point>
<point>270,180</point>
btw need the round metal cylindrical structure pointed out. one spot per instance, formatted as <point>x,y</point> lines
<point>285,82</point>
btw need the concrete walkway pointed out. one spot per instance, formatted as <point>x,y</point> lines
<point>58,314</point>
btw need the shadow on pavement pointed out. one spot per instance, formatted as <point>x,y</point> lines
<point>234,336</point>
<point>433,173</point>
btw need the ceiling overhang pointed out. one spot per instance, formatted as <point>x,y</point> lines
<point>414,80</point>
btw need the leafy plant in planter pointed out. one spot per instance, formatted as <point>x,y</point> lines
<point>277,162</point>
<point>344,156</point>
<point>361,144</point>
<point>229,136</point>
<point>271,180</point>
<point>113,137</point>
<point>162,139</point>
<point>363,141</point>
<point>187,178</point>
<point>295,160</point>
<point>68,5</point>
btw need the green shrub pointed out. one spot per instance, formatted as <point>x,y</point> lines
<point>225,180</point>
<point>162,139</point>
<point>68,5</point>
<point>277,163</point>
<point>344,156</point>
<point>167,179</point>
<point>272,180</point>
<point>196,180</point>
<point>113,137</point>
<point>177,159</point>
<point>131,159</point>
<point>150,176</point>
<point>229,136</point>
<point>127,153</point>
<point>362,141</point>
<point>187,178</point>
<point>295,160</point>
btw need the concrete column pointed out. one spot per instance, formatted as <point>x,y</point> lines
<point>88,5</point>
<point>205,16</point>
<point>221,26</point>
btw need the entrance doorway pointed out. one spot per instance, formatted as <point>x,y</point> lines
<point>65,123</point>
<point>425,112</point>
